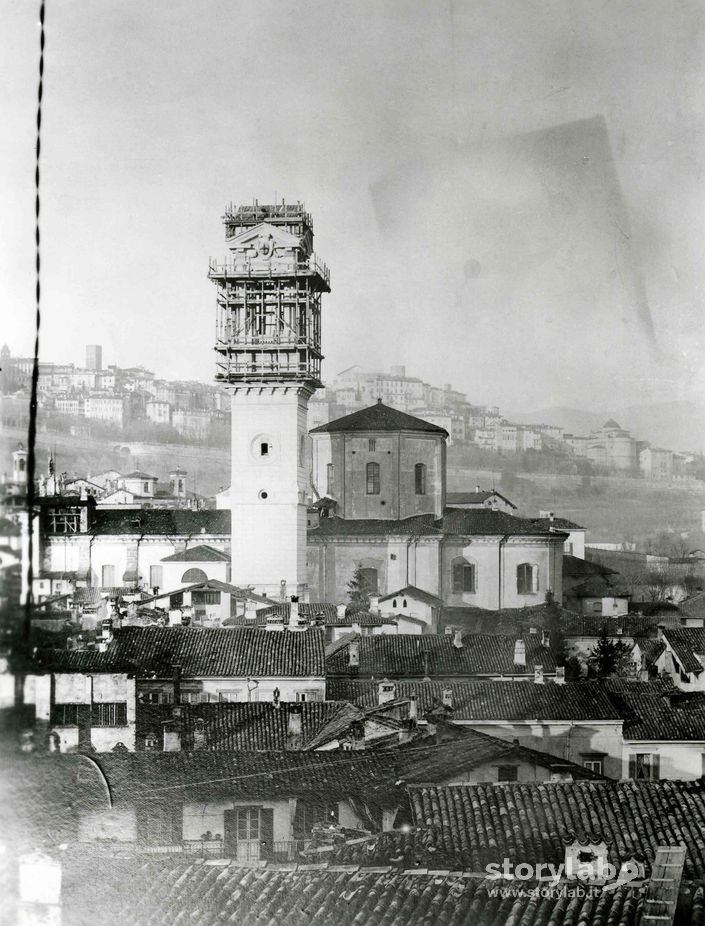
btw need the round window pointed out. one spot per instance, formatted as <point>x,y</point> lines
<point>263,494</point>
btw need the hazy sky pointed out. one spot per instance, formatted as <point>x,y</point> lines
<point>510,195</point>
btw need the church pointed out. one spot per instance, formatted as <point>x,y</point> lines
<point>380,479</point>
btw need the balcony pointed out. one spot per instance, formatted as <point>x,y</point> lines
<point>281,267</point>
<point>243,851</point>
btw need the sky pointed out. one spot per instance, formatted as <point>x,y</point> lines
<point>509,193</point>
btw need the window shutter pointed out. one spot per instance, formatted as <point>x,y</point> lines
<point>655,767</point>
<point>267,828</point>
<point>632,767</point>
<point>535,583</point>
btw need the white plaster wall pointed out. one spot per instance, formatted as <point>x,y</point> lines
<point>677,760</point>
<point>201,817</point>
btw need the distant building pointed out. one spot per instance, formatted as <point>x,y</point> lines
<point>614,447</point>
<point>656,463</point>
<point>94,357</point>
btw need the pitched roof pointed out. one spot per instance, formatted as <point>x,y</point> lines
<point>412,591</point>
<point>168,890</point>
<point>240,652</point>
<point>418,655</point>
<point>170,521</point>
<point>201,553</point>
<point>475,498</point>
<point>532,822</point>
<point>491,701</point>
<point>561,524</point>
<point>200,775</point>
<point>379,417</point>
<point>575,567</point>
<point>422,525</point>
<point>685,643</point>
<point>138,475</point>
<point>657,710</point>
<point>248,726</point>
<point>488,521</point>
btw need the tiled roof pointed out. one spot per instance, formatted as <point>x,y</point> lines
<point>319,612</point>
<point>404,655</point>
<point>492,701</point>
<point>694,606</point>
<point>474,498</point>
<point>239,652</point>
<point>201,553</point>
<point>379,417</point>
<point>167,891</point>
<point>138,475</point>
<point>212,585</point>
<point>90,660</point>
<point>248,726</point>
<point>412,591</point>
<point>422,525</point>
<point>140,776</point>
<point>657,710</point>
<point>161,521</point>
<point>89,596</point>
<point>533,822</point>
<point>486,521</point>
<point>651,650</point>
<point>685,643</point>
<point>561,524</point>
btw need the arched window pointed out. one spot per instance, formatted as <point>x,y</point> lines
<point>420,478</point>
<point>369,579</point>
<point>527,579</point>
<point>373,479</point>
<point>193,576</point>
<point>463,575</point>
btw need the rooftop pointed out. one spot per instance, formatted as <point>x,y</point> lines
<point>201,553</point>
<point>379,417</point>
<point>491,701</point>
<point>404,655</point>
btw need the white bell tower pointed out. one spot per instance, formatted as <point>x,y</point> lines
<point>268,341</point>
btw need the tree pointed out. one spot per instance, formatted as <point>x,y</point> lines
<point>609,658</point>
<point>360,587</point>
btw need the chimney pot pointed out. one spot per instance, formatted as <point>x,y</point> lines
<point>519,653</point>
<point>545,638</point>
<point>386,691</point>
<point>340,611</point>
<point>374,604</point>
<point>560,675</point>
<point>354,653</point>
<point>458,639</point>
<point>448,697</point>
<point>294,722</point>
<point>538,675</point>
<point>413,710</point>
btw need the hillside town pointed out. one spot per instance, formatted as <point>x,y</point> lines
<point>336,690</point>
<point>133,401</point>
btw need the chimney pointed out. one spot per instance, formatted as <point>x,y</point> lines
<point>176,676</point>
<point>175,617</point>
<point>276,694</point>
<point>458,639</point>
<point>356,626</point>
<point>294,725</point>
<point>250,609</point>
<point>538,675</point>
<point>294,612</point>
<point>447,697</point>
<point>533,630</point>
<point>413,711</point>
<point>374,604</point>
<point>386,691</point>
<point>354,653</point>
<point>519,653</point>
<point>545,638</point>
<point>340,611</point>
<point>478,489</point>
<point>560,675</point>
<point>274,622</point>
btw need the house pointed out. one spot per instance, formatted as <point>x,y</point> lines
<point>577,722</point>
<point>407,656</point>
<point>480,498</point>
<point>193,564</point>
<point>591,588</point>
<point>575,542</point>
<point>409,606</point>
<point>664,730</point>
<point>679,655</point>
<point>208,603</point>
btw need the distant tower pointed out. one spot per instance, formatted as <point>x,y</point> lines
<point>177,482</point>
<point>94,357</point>
<point>268,340</point>
<point>19,465</point>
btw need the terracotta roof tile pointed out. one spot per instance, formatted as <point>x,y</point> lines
<point>533,822</point>
<point>404,655</point>
<point>487,700</point>
<point>657,710</point>
<point>167,891</point>
<point>201,553</point>
<point>686,642</point>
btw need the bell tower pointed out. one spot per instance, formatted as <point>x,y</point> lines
<point>268,345</point>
